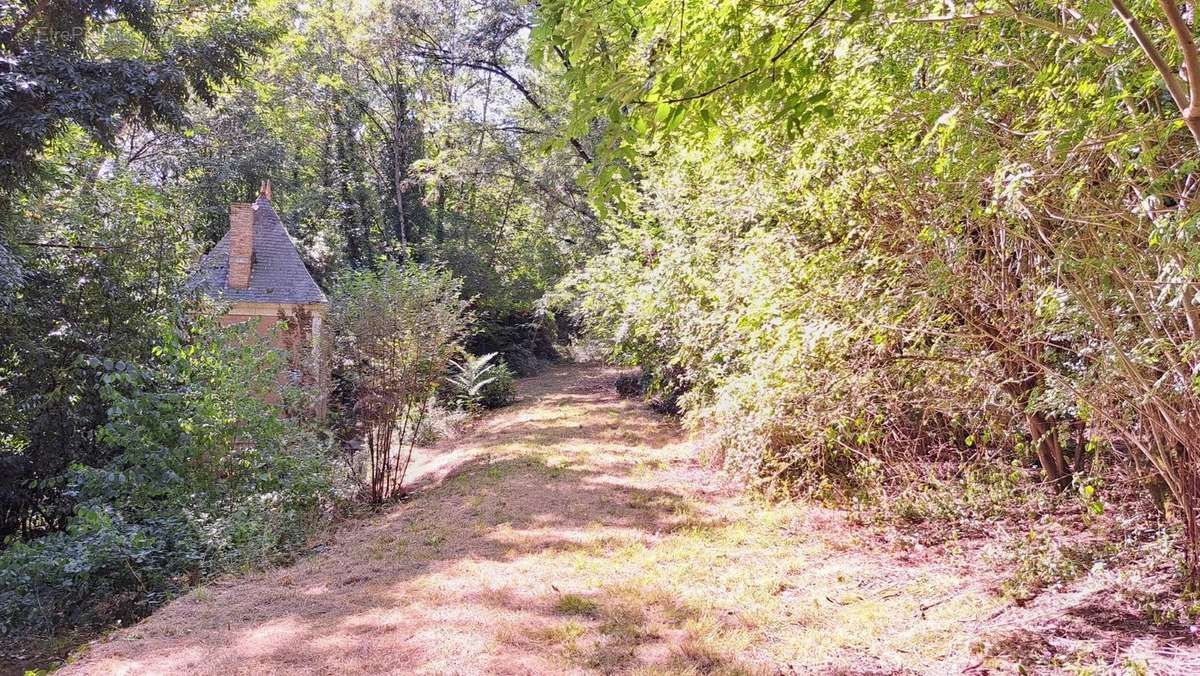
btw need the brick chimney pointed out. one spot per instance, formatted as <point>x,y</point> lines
<point>241,244</point>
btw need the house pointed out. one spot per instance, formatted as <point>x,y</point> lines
<point>257,272</point>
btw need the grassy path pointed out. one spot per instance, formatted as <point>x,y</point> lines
<point>573,533</point>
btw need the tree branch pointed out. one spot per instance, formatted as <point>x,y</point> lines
<point>1014,14</point>
<point>497,69</point>
<point>24,21</point>
<point>1183,35</point>
<point>1174,85</point>
<point>774,58</point>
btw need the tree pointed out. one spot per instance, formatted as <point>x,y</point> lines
<point>110,259</point>
<point>90,258</point>
<point>98,64</point>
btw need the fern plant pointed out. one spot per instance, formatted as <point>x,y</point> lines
<point>470,377</point>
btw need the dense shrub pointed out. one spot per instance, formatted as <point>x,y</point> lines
<point>771,339</point>
<point>208,478</point>
<point>501,389</point>
<point>866,249</point>
<point>76,299</point>
<point>396,330</point>
<point>100,569</point>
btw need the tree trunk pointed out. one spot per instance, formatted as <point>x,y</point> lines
<point>1049,451</point>
<point>401,229</point>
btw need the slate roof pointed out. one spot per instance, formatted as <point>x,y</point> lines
<point>277,274</point>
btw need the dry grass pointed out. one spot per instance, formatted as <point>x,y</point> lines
<point>577,533</point>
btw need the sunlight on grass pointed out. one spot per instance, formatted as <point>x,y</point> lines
<point>740,580</point>
<point>573,604</point>
<point>706,587</point>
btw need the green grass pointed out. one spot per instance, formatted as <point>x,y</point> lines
<point>574,604</point>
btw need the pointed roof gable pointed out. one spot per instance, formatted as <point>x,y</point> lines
<point>277,274</point>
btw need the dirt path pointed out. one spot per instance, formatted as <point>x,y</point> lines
<point>573,532</point>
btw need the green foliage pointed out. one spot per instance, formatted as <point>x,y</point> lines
<point>479,381</point>
<point>774,335</point>
<point>401,132</point>
<point>100,569</point>
<point>574,604</point>
<point>470,376</point>
<point>977,496</point>
<point>98,65</point>
<point>105,266</point>
<point>396,330</point>
<point>1039,562</point>
<point>860,231</point>
<point>207,477</point>
<point>501,389</point>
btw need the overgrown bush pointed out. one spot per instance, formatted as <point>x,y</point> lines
<point>396,330</point>
<point>501,390</point>
<point>101,569</point>
<point>209,478</point>
<point>868,249</point>
<point>781,349</point>
<point>76,298</point>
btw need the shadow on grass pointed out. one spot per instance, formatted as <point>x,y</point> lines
<point>1099,626</point>
<point>374,599</point>
<point>623,628</point>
